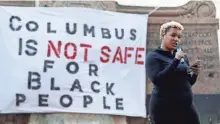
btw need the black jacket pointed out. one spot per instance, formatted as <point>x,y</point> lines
<point>169,76</point>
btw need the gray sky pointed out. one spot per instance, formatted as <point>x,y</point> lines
<point>153,2</point>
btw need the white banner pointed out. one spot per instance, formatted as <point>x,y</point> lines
<point>72,60</point>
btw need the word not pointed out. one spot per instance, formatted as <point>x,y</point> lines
<point>121,55</point>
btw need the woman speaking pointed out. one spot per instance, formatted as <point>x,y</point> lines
<point>168,68</point>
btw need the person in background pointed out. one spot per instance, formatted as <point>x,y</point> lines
<point>168,68</point>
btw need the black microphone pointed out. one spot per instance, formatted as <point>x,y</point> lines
<point>178,48</point>
<point>182,61</point>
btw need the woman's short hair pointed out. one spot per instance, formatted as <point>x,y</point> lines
<point>166,26</point>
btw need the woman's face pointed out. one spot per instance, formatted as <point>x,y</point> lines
<point>172,38</point>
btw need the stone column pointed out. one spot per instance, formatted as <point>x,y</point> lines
<point>200,40</point>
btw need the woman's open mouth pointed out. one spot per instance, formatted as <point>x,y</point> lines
<point>174,44</point>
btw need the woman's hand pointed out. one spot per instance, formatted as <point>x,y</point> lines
<point>196,67</point>
<point>179,54</point>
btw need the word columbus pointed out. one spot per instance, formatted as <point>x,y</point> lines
<point>17,24</point>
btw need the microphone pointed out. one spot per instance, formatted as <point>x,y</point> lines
<point>178,48</point>
<point>182,61</point>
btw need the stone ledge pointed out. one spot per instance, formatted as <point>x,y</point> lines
<point>18,3</point>
<point>194,21</point>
